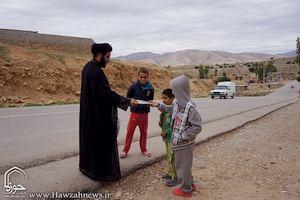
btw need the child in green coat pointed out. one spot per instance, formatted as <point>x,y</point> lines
<point>165,124</point>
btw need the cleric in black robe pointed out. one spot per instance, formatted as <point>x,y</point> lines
<point>99,158</point>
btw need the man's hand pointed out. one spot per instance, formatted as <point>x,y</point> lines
<point>133,102</point>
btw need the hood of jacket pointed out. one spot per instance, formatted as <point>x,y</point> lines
<point>181,88</point>
<point>148,85</point>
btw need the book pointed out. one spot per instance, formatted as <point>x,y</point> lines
<point>142,102</point>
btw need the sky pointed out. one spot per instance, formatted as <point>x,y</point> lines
<point>159,26</point>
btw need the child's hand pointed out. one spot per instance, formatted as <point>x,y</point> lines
<point>159,124</point>
<point>154,104</point>
<point>163,134</point>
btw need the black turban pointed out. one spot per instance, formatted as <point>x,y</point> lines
<point>102,48</point>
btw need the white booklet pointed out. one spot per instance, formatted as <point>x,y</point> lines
<point>143,102</point>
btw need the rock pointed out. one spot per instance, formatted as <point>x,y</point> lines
<point>150,188</point>
<point>50,102</point>
<point>51,89</point>
<point>21,100</point>
<point>15,100</point>
<point>64,69</point>
<point>76,74</point>
<point>118,193</point>
<point>154,181</point>
<point>57,72</point>
<point>4,68</point>
<point>8,64</point>
<point>3,99</point>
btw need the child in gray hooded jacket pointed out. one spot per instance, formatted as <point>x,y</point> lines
<point>186,125</point>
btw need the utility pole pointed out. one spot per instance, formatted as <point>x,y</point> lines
<point>264,71</point>
<point>279,74</point>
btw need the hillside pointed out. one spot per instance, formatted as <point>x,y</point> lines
<point>284,65</point>
<point>197,57</point>
<point>38,75</point>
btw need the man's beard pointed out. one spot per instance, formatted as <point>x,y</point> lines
<point>102,62</point>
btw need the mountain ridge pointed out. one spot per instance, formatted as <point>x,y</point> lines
<point>197,57</point>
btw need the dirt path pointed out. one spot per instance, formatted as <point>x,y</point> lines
<point>258,161</point>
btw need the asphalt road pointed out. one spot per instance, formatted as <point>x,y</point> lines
<point>31,136</point>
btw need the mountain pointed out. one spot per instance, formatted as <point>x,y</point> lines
<point>138,56</point>
<point>289,54</point>
<point>197,57</point>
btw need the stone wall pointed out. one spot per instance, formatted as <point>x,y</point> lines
<point>35,40</point>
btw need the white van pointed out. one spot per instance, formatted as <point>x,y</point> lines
<point>224,89</point>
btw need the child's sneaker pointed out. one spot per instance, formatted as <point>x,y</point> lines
<point>194,187</point>
<point>178,192</point>
<point>147,153</point>
<point>166,176</point>
<point>171,183</point>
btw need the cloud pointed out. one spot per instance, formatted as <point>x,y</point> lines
<point>268,26</point>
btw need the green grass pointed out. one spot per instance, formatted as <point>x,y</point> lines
<point>51,104</point>
<point>33,104</point>
<point>12,106</point>
<point>63,103</point>
<point>58,57</point>
<point>4,53</point>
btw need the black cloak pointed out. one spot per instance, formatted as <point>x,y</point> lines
<point>99,157</point>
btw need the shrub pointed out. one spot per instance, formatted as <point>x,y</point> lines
<point>221,79</point>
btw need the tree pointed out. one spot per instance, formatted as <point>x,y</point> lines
<point>206,70</point>
<point>201,72</point>
<point>298,51</point>
<point>251,69</point>
<point>257,69</point>
<point>270,67</point>
<point>261,70</point>
<point>216,72</point>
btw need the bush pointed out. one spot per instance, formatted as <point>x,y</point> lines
<point>298,78</point>
<point>221,79</point>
